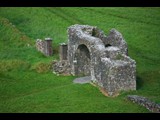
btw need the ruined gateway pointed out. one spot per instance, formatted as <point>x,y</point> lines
<point>104,58</point>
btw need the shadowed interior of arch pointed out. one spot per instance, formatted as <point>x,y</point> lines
<point>108,45</point>
<point>82,56</point>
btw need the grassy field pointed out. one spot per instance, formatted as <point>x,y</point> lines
<point>27,85</point>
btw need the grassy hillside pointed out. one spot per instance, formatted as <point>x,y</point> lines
<point>27,84</point>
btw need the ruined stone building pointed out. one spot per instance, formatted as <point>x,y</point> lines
<point>104,58</point>
<point>45,46</point>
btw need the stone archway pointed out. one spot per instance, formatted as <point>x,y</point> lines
<point>82,61</point>
<point>104,58</point>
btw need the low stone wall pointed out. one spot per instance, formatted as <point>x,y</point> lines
<point>40,45</point>
<point>151,106</point>
<point>61,67</point>
<point>45,46</point>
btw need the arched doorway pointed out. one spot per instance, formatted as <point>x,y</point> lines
<point>82,61</point>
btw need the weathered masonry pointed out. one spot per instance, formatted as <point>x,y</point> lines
<point>45,46</point>
<point>143,101</point>
<point>63,51</point>
<point>104,58</point>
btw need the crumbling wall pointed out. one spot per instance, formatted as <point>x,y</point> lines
<point>143,101</point>
<point>61,67</point>
<point>45,46</point>
<point>109,65</point>
<point>40,45</point>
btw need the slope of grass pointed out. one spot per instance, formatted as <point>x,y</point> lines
<point>24,87</point>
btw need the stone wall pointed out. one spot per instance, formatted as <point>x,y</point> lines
<point>40,45</point>
<point>63,48</point>
<point>45,46</point>
<point>61,67</point>
<point>143,101</point>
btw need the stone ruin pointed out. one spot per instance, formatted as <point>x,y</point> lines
<point>45,46</point>
<point>105,58</point>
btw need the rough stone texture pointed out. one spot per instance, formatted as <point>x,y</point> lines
<point>151,106</point>
<point>61,67</point>
<point>63,51</point>
<point>104,58</point>
<point>40,45</point>
<point>82,80</point>
<point>45,46</point>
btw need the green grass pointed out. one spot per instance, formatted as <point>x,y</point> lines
<point>27,85</point>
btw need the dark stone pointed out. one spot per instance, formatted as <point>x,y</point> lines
<point>148,104</point>
<point>63,50</point>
